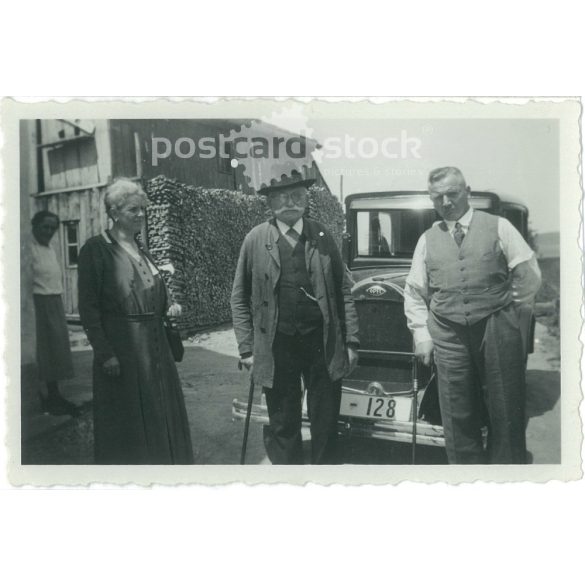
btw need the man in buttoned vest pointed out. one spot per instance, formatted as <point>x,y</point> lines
<point>294,315</point>
<point>471,274</point>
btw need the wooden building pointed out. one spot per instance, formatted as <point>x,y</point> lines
<point>69,163</point>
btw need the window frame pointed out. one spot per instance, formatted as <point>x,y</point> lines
<point>224,165</point>
<point>67,244</point>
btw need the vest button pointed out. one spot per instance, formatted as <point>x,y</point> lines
<point>462,268</point>
<point>467,313</point>
<point>460,257</point>
<point>465,301</point>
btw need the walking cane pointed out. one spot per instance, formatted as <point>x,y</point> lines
<point>247,423</point>
<point>414,407</point>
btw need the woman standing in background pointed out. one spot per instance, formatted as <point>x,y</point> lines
<point>53,350</point>
<point>139,408</point>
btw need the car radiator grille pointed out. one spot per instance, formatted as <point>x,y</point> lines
<point>382,326</point>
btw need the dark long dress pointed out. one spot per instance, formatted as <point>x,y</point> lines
<point>140,416</point>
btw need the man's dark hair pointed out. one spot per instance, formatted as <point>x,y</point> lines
<point>39,216</point>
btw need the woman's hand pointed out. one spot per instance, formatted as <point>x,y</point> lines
<point>112,367</point>
<point>175,310</point>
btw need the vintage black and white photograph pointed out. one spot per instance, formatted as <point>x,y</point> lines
<point>289,289</point>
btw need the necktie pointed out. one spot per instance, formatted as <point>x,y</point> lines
<point>458,234</point>
<point>292,236</point>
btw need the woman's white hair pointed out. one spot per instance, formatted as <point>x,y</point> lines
<point>119,191</point>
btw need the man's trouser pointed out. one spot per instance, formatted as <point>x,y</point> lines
<point>295,355</point>
<point>481,377</point>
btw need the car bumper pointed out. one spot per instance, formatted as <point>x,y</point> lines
<point>426,434</point>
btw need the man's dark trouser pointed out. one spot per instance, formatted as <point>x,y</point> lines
<point>295,355</point>
<point>481,371</point>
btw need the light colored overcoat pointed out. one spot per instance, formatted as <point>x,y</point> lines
<point>254,298</point>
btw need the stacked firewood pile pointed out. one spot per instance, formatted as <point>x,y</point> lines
<point>195,235</point>
<point>326,209</point>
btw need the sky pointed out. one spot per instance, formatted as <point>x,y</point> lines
<point>511,157</point>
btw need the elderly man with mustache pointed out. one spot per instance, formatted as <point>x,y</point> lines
<point>294,315</point>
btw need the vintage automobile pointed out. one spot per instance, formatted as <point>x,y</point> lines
<point>390,396</point>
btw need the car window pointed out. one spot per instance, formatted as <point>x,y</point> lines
<point>518,218</point>
<point>391,233</point>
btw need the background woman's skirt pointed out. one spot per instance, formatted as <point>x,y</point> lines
<point>54,360</point>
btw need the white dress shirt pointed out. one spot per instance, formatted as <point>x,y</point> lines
<point>515,249</point>
<point>297,227</point>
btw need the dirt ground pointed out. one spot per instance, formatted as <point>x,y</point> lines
<point>211,380</point>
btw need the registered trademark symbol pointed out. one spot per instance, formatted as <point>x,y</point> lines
<point>234,163</point>
<point>427,129</point>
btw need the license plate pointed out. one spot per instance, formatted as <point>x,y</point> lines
<point>376,407</point>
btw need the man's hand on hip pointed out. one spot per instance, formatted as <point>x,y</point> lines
<point>424,352</point>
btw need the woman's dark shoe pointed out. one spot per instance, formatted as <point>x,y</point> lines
<point>58,406</point>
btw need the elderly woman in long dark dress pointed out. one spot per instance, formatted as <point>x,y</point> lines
<point>139,408</point>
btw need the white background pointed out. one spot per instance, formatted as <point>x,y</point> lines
<point>485,533</point>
